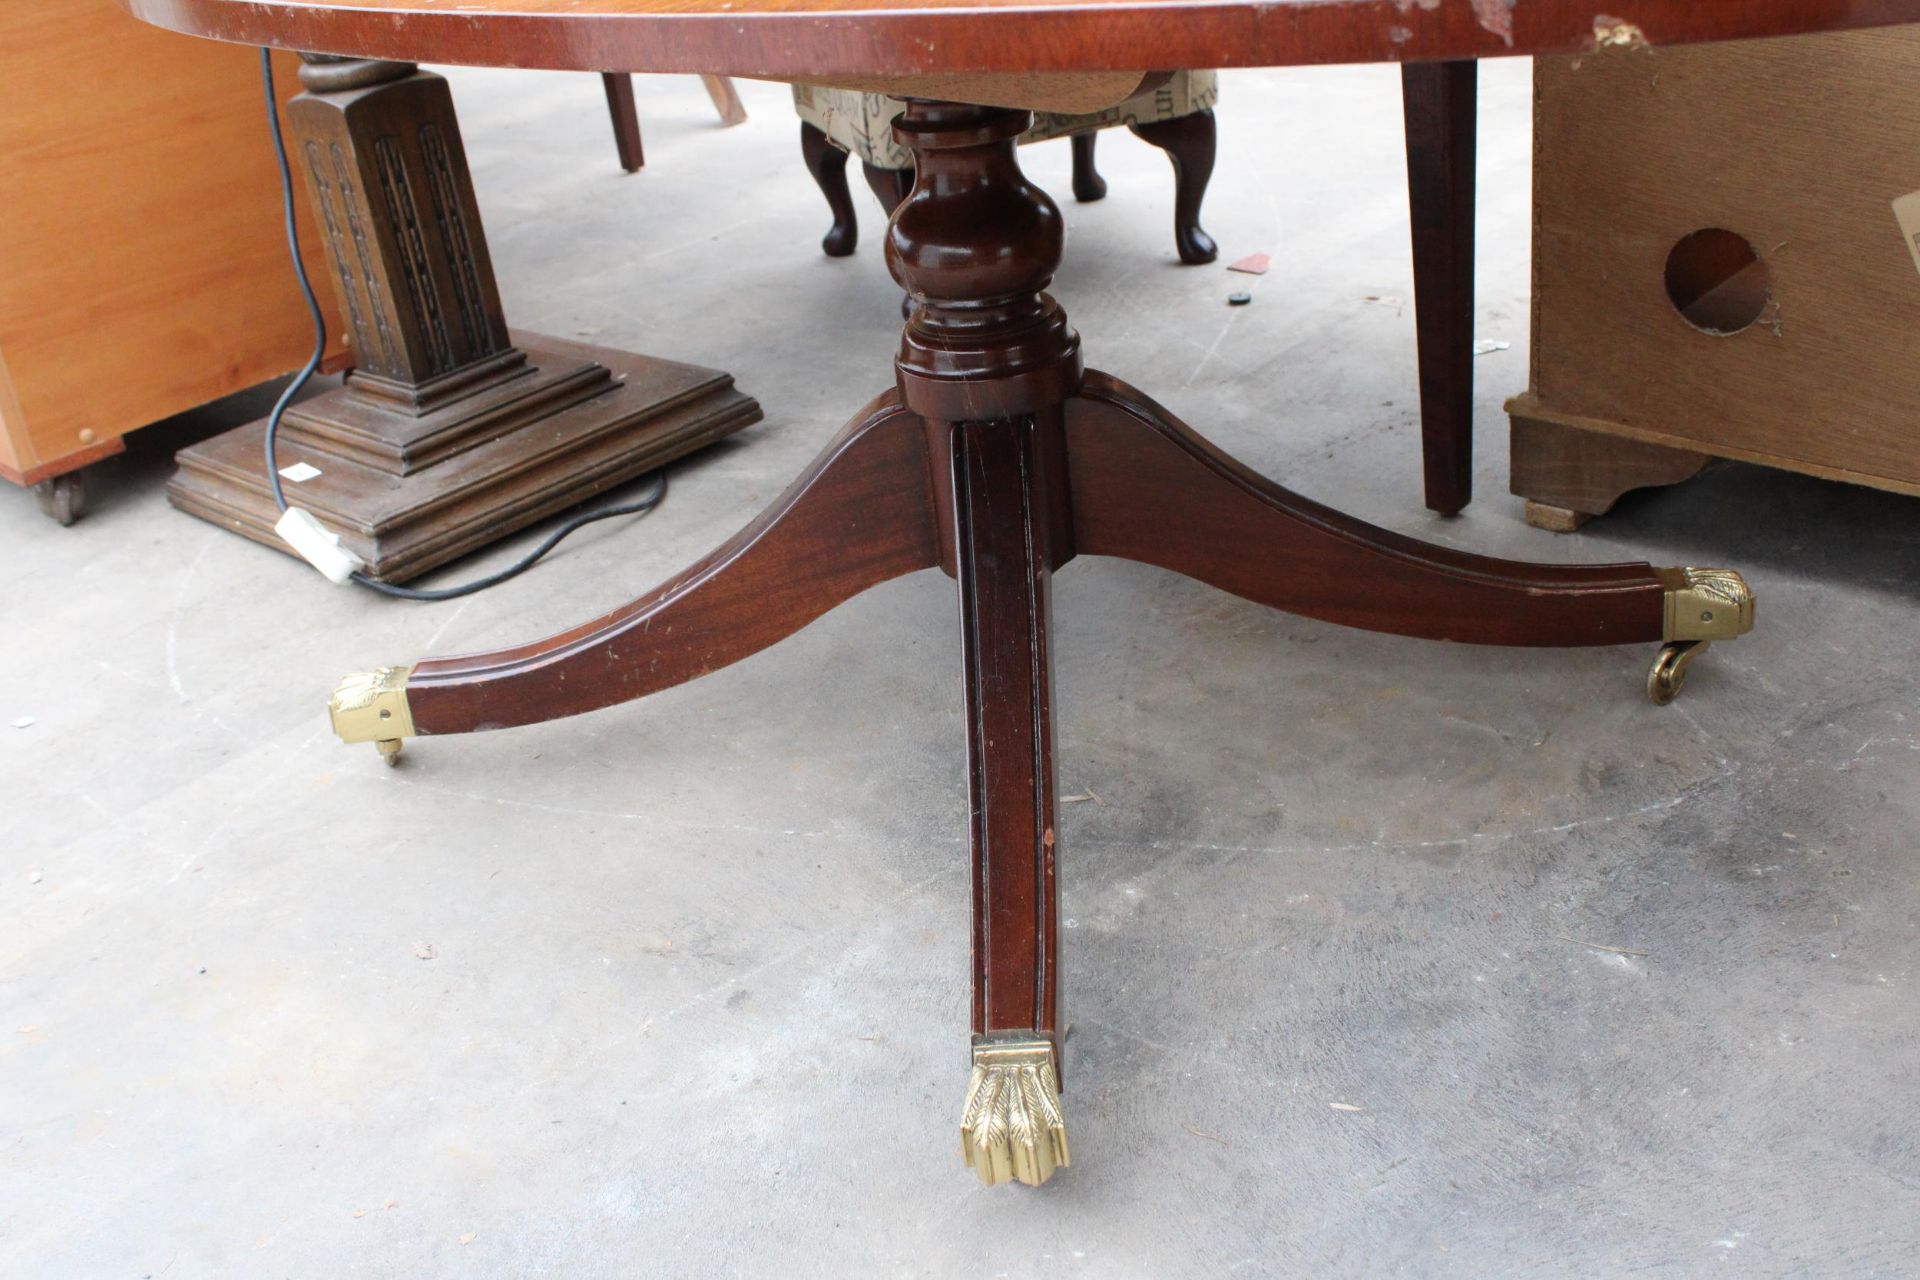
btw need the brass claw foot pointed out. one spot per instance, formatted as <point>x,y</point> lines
<point>1011,1128</point>
<point>371,706</point>
<point>1702,605</point>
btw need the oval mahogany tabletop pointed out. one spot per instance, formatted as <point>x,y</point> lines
<point>816,39</point>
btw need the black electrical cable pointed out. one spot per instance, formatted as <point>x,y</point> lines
<point>300,380</point>
<point>312,365</point>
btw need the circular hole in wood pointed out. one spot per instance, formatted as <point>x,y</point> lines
<point>1717,282</point>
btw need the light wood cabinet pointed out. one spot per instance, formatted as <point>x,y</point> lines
<point>143,268</point>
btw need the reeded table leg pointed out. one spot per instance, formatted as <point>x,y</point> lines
<point>1011,1126</point>
<point>998,459</point>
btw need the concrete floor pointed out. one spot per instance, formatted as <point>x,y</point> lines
<point>1382,957</point>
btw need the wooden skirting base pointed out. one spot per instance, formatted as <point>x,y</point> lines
<point>410,488</point>
<point>1569,473</point>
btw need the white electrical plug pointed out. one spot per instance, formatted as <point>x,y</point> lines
<point>318,547</point>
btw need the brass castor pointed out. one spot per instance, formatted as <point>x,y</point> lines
<point>1702,605</point>
<point>372,707</point>
<point>1669,674</point>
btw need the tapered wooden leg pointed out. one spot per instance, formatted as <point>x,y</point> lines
<point>626,120</point>
<point>1088,185</point>
<point>725,99</point>
<point>1189,142</point>
<point>1011,1125</point>
<point>828,165</point>
<point>1441,102</point>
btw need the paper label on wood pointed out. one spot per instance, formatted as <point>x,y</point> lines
<point>1907,210</point>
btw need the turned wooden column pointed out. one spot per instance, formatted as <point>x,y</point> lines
<point>452,430</point>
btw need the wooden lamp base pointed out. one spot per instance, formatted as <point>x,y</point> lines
<point>411,490</point>
<point>452,431</point>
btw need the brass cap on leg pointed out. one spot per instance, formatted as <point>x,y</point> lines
<point>1012,1129</point>
<point>371,706</point>
<point>1706,604</point>
<point>1702,605</point>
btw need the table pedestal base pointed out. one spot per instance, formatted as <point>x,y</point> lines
<point>998,459</point>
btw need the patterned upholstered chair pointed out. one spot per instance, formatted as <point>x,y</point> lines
<point>1175,114</point>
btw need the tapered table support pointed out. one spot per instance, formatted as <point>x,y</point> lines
<point>1441,101</point>
<point>998,458</point>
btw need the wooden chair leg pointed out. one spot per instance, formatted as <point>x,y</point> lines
<point>1088,185</point>
<point>726,99</point>
<point>860,516</point>
<point>1441,105</point>
<point>626,120</point>
<point>1189,141</point>
<point>828,165</point>
<point>889,186</point>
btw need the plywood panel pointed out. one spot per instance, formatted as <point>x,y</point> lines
<point>1800,146</point>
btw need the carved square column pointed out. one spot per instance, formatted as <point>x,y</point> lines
<point>452,430</point>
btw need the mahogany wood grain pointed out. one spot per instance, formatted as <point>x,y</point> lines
<point>998,460</point>
<point>801,39</point>
<point>975,245</point>
<point>626,120</point>
<point>861,515</point>
<point>1004,491</point>
<point>999,457</point>
<point>1441,103</point>
<point>1146,487</point>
